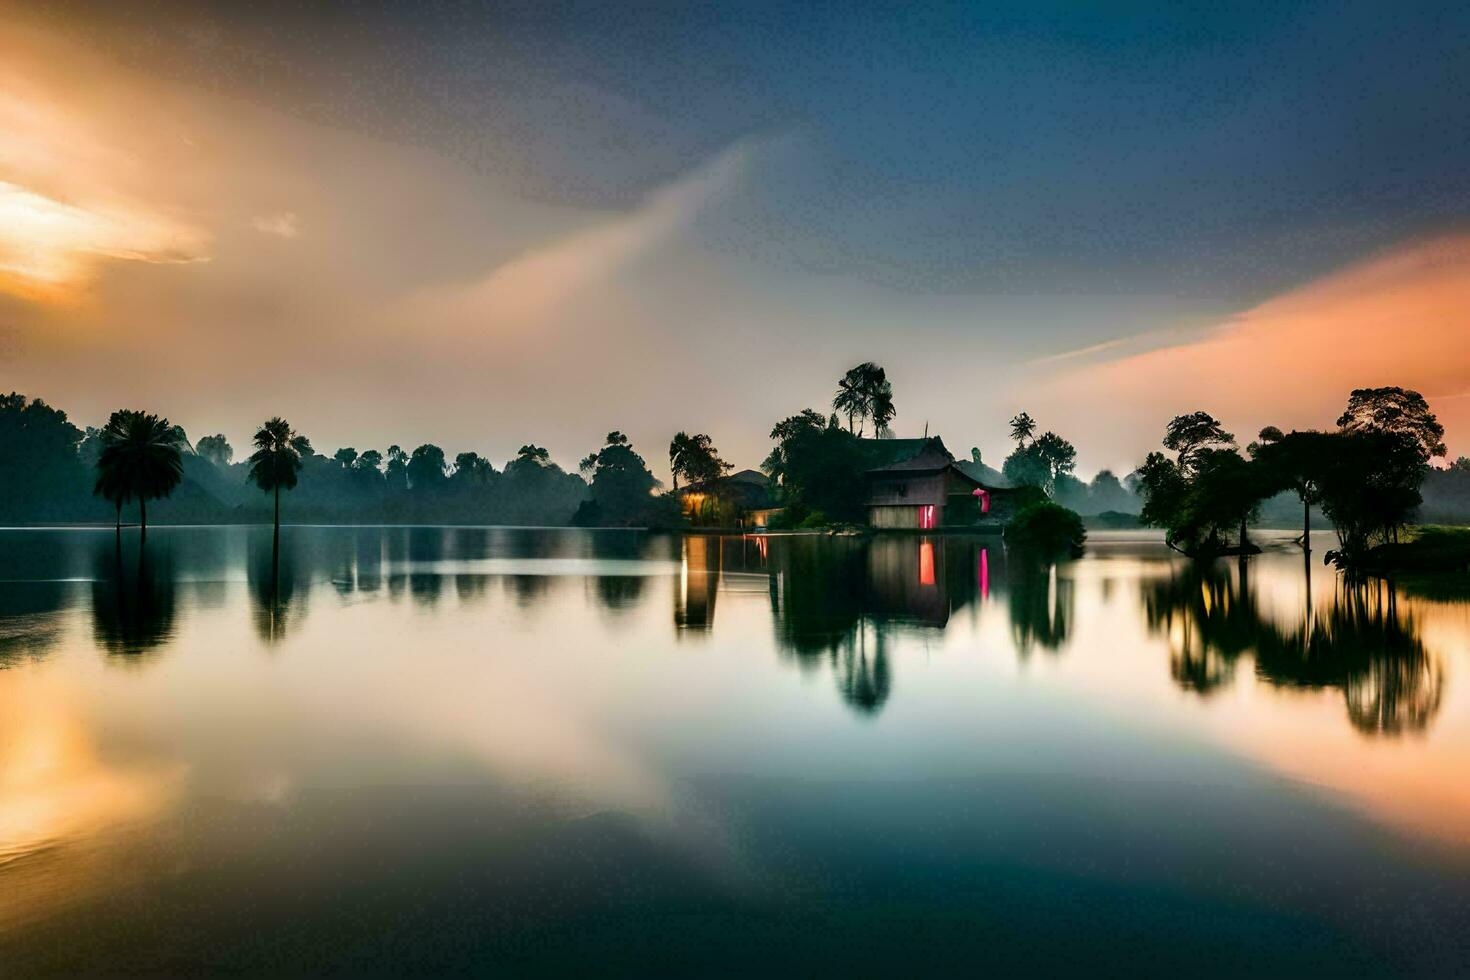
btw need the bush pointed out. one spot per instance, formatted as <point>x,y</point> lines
<point>1046,529</point>
<point>816,519</point>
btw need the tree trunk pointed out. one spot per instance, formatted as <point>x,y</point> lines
<point>1306,525</point>
<point>119,516</point>
<point>143,516</point>
<point>276,536</point>
<point>1242,536</point>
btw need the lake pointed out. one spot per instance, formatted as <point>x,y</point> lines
<point>540,752</point>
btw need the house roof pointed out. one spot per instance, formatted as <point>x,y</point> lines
<point>909,455</point>
<point>750,476</point>
<point>988,475</point>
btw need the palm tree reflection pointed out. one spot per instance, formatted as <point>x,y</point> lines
<point>133,600</point>
<point>278,580</point>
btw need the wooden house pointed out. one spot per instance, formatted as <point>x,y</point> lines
<point>920,486</point>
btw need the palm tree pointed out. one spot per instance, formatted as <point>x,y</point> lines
<point>849,399</point>
<point>680,449</point>
<point>864,393</point>
<point>140,458</point>
<point>1023,427</point>
<point>276,461</point>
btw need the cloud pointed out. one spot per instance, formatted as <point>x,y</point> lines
<point>73,190</point>
<point>534,286</point>
<point>1401,318</point>
<point>283,225</point>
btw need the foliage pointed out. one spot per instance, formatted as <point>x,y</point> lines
<point>1190,435</point>
<point>1208,493</point>
<point>1041,462</point>
<point>1025,467</point>
<point>622,486</point>
<point>140,460</point>
<point>820,466</point>
<point>864,393</point>
<point>427,469</point>
<point>1370,488</point>
<point>1023,427</point>
<point>276,462</point>
<point>1398,411</point>
<point>40,471</point>
<point>216,449</point>
<point>1046,530</point>
<point>696,459</point>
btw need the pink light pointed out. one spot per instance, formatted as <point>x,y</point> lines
<point>985,573</point>
<point>926,563</point>
<point>926,517</point>
<point>984,496</point>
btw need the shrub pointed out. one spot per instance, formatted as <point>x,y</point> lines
<point>1046,529</point>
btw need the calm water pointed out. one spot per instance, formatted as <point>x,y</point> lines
<point>531,751</point>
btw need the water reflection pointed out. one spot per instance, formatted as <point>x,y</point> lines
<point>1359,642</point>
<point>834,604</point>
<point>479,718</point>
<point>133,598</point>
<point>1041,606</point>
<point>279,579</point>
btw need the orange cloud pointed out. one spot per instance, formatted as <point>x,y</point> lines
<point>1399,319</point>
<point>79,185</point>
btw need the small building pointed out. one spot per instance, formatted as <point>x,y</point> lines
<point>742,499</point>
<point>920,486</point>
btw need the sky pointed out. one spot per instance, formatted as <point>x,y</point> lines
<point>481,225</point>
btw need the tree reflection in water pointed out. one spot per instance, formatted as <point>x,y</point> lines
<point>279,580</point>
<point>133,600</point>
<point>1361,644</point>
<point>841,601</point>
<point>1041,603</point>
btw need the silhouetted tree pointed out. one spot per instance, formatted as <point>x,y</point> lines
<point>1395,410</point>
<point>396,471</point>
<point>1027,467</point>
<point>140,460</point>
<point>472,469</point>
<point>345,457</point>
<point>864,393</point>
<point>821,467</point>
<point>1188,435</point>
<point>696,459</point>
<point>1210,491</point>
<point>276,461</point>
<point>784,432</point>
<point>1300,462</point>
<point>426,469</point>
<point>622,486</point>
<point>1023,427</point>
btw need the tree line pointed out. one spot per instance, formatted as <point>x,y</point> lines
<point>1202,495</point>
<point>1366,476</point>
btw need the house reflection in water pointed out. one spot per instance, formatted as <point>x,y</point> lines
<point>922,581</point>
<point>710,564</point>
<point>837,602</point>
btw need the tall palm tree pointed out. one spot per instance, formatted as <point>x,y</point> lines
<point>1023,427</point>
<point>679,449</point>
<point>140,459</point>
<point>850,399</point>
<point>276,461</point>
<point>864,393</point>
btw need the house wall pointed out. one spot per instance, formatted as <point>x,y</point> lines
<point>902,515</point>
<point>894,491</point>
